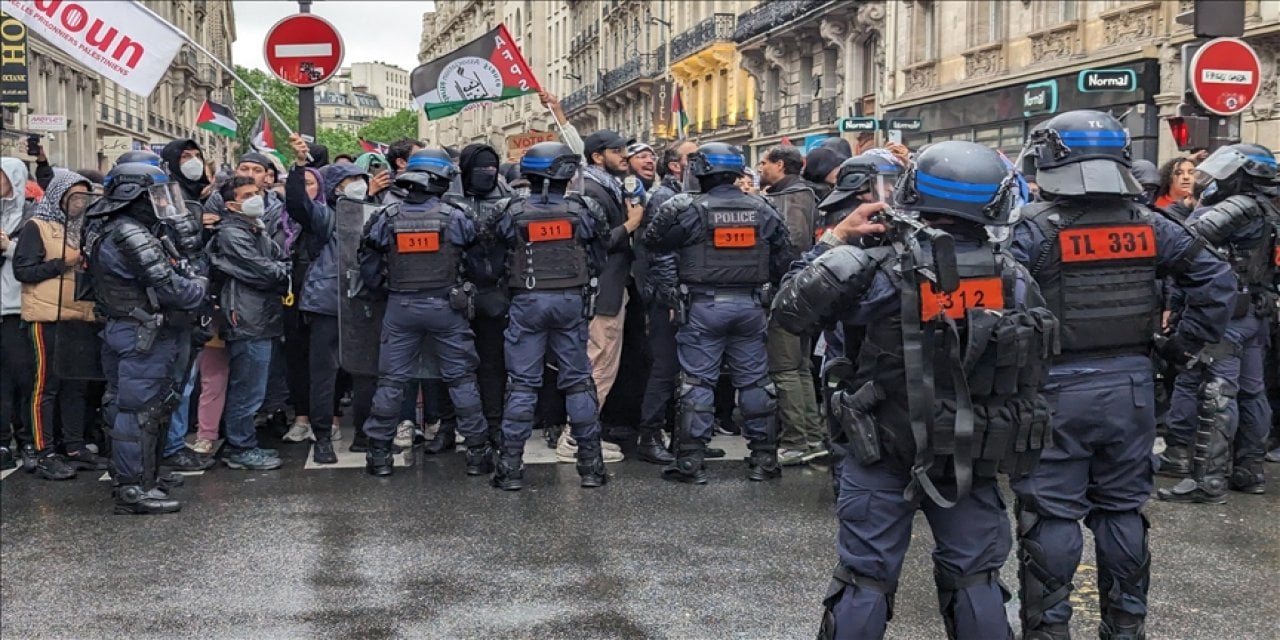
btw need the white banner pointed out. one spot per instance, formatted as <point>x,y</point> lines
<point>120,41</point>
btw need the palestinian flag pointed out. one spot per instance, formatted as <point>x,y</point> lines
<point>678,115</point>
<point>262,140</point>
<point>217,118</point>
<point>489,68</point>
<point>374,147</point>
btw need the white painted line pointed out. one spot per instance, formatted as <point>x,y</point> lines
<point>9,472</point>
<point>320,49</point>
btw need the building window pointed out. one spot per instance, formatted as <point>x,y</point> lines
<point>923,31</point>
<point>986,22</point>
<point>870,71</point>
<point>1055,12</point>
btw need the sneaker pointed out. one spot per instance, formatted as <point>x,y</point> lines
<point>792,457</point>
<point>335,434</point>
<point>51,467</point>
<point>185,460</point>
<point>567,449</point>
<point>29,458</point>
<point>299,432</point>
<point>93,448</point>
<point>6,459</point>
<point>203,446</point>
<point>86,460</point>
<point>726,428</point>
<point>322,452</point>
<point>404,434</point>
<point>253,460</point>
<point>1273,455</point>
<point>817,451</point>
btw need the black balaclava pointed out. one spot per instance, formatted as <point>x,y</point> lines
<point>479,164</point>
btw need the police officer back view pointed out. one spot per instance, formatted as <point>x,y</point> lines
<point>556,246</point>
<point>1097,255</point>
<point>415,250</point>
<point>1224,398</point>
<point>730,247</point>
<point>944,394</point>
<point>144,300</point>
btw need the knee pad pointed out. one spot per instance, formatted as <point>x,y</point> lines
<point>759,400</point>
<point>685,387</point>
<point>522,400</point>
<point>158,410</point>
<point>949,584</point>
<point>586,386</point>
<point>1112,588</point>
<point>1039,589</point>
<point>844,578</point>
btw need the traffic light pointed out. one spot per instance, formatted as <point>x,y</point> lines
<point>1190,132</point>
<point>1215,18</point>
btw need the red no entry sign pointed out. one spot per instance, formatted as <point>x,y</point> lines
<point>303,50</point>
<point>1225,76</point>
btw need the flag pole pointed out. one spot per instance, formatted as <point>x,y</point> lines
<point>197,47</point>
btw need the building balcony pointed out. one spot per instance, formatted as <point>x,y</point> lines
<point>207,75</point>
<point>770,15</point>
<point>717,28</point>
<point>804,115</point>
<point>186,58</point>
<point>769,121</point>
<point>642,66</point>
<point>577,100</point>
<point>828,111</point>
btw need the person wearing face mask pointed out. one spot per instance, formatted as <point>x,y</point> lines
<point>46,262</point>
<point>319,300</point>
<point>250,273</point>
<point>185,162</point>
<point>16,364</point>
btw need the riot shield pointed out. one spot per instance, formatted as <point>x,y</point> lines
<point>359,314</point>
<point>77,348</point>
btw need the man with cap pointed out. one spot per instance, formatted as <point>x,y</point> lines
<point>820,168</point>
<point>800,437</point>
<point>605,152</point>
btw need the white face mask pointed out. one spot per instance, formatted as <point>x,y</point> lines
<point>253,207</point>
<point>356,190</point>
<point>192,169</point>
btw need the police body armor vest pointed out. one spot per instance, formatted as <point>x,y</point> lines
<point>115,297</point>
<point>1002,353</point>
<point>1255,262</point>
<point>421,256</point>
<point>1098,275</point>
<point>547,255</point>
<point>733,252</point>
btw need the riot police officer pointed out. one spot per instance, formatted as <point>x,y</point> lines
<point>927,422</point>
<point>415,250</point>
<point>555,242</point>
<point>482,191</point>
<point>730,248</point>
<point>1224,398</point>
<point>144,300</point>
<point>1097,255</point>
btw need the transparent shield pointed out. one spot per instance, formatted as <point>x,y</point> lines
<point>166,200</point>
<point>1220,165</point>
<point>455,187</point>
<point>690,184</point>
<point>575,183</point>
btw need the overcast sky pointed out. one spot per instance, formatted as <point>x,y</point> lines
<point>371,29</point>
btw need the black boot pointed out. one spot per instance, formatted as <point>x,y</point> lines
<point>169,481</point>
<point>763,465</point>
<point>359,442</point>
<point>444,441</point>
<point>29,458</point>
<point>1175,461</point>
<point>6,459</point>
<point>649,447</point>
<point>1248,477</point>
<point>1210,466</point>
<point>1119,626</point>
<point>378,460</point>
<point>689,465</point>
<point>480,459</point>
<point>50,466</point>
<point>1048,632</point>
<point>322,451</point>
<point>133,500</point>
<point>509,475</point>
<point>591,465</point>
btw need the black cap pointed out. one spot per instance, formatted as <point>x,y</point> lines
<point>600,140</point>
<point>257,158</point>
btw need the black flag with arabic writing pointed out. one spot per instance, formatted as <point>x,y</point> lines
<point>489,68</point>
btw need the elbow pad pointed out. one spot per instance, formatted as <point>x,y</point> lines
<point>143,252</point>
<point>1225,218</point>
<point>816,295</point>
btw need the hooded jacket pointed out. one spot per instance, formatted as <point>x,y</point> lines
<point>253,275</point>
<point>47,282</point>
<point>14,212</point>
<point>320,237</point>
<point>172,155</point>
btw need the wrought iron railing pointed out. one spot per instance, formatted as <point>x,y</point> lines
<point>804,114</point>
<point>829,110</point>
<point>768,15</point>
<point>576,100</point>
<point>718,27</point>
<point>633,69</point>
<point>768,123</point>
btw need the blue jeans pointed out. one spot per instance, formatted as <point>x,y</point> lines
<point>180,420</point>
<point>249,362</point>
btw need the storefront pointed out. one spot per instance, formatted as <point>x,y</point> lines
<point>1001,117</point>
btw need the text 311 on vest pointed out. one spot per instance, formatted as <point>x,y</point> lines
<point>418,242</point>
<point>550,230</point>
<point>735,237</point>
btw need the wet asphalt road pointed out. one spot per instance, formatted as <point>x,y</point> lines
<point>430,553</point>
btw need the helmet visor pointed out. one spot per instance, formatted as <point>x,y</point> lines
<point>166,200</point>
<point>1220,165</point>
<point>76,204</point>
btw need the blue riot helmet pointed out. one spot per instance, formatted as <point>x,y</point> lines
<point>132,181</point>
<point>552,163</point>
<point>857,176</point>
<point>135,157</point>
<point>1080,153</point>
<point>1236,169</point>
<point>430,170</point>
<point>713,159</point>
<point>959,179</point>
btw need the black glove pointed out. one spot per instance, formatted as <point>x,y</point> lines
<point>1176,350</point>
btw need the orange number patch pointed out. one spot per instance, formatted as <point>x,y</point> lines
<point>974,293</point>
<point>418,242</point>
<point>1277,257</point>
<point>550,230</point>
<point>735,237</point>
<point>1091,244</point>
